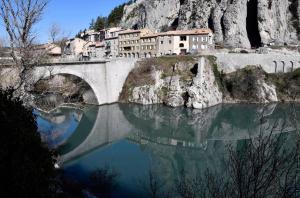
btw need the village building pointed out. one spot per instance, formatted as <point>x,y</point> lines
<point>149,45</point>
<point>200,40</point>
<point>173,42</point>
<point>51,49</point>
<point>181,42</point>
<point>95,46</point>
<point>74,47</point>
<point>92,35</point>
<point>129,42</point>
<point>111,41</point>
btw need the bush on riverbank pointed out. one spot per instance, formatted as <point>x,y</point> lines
<point>27,166</point>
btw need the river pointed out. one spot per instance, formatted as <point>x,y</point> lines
<point>134,140</point>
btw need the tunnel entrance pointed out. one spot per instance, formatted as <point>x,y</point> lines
<point>252,24</point>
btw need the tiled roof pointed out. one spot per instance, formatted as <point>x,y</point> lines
<point>151,35</point>
<point>130,31</point>
<point>202,31</point>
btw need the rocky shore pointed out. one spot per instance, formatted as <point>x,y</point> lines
<point>198,82</point>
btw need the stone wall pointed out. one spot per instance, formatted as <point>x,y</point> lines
<point>231,62</point>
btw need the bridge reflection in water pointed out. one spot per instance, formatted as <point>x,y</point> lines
<point>132,138</point>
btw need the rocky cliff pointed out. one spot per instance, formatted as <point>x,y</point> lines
<point>198,83</point>
<point>236,23</point>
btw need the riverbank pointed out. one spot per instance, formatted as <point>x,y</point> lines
<point>199,82</point>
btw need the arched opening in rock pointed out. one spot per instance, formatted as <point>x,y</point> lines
<point>252,24</point>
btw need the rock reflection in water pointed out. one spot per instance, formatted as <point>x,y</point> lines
<point>133,138</point>
<point>195,140</point>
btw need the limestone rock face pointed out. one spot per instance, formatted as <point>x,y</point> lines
<point>267,93</point>
<point>204,91</point>
<point>275,21</point>
<point>145,95</point>
<point>278,21</point>
<point>152,14</point>
<point>148,94</point>
<point>174,98</point>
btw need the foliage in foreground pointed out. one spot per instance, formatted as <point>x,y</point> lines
<point>27,166</point>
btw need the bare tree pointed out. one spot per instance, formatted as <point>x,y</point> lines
<point>58,37</point>
<point>265,166</point>
<point>19,18</point>
<point>54,32</point>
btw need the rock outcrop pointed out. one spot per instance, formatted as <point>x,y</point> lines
<point>200,84</point>
<point>236,23</point>
<point>177,90</point>
<point>204,91</point>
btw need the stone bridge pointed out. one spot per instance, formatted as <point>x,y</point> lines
<point>106,78</point>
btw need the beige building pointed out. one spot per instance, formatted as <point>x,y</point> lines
<point>173,42</point>
<point>74,47</point>
<point>149,45</point>
<point>201,40</point>
<point>184,41</point>
<point>111,41</point>
<point>129,42</point>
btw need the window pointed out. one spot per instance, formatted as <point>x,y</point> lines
<point>170,42</point>
<point>161,42</point>
<point>182,38</point>
<point>181,45</point>
<point>137,48</point>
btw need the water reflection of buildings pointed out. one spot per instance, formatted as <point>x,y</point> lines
<point>176,139</point>
<point>143,139</point>
<point>175,127</point>
<point>195,128</point>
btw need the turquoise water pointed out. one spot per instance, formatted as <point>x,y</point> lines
<point>134,140</point>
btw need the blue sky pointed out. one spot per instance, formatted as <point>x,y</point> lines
<point>71,15</point>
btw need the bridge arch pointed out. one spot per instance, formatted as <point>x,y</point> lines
<point>53,71</point>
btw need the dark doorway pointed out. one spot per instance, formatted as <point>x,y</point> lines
<point>252,24</point>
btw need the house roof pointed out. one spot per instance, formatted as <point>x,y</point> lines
<point>202,31</point>
<point>130,31</point>
<point>150,35</point>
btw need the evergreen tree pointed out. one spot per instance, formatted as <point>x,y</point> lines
<point>115,16</point>
<point>92,24</point>
<point>101,23</point>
